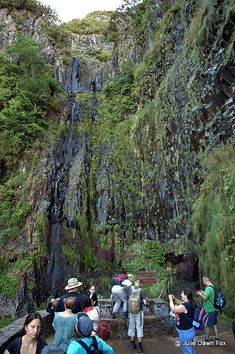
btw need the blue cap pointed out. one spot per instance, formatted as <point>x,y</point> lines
<point>84,324</point>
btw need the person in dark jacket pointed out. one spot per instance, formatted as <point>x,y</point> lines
<point>184,310</point>
<point>72,291</point>
<point>93,295</point>
<point>29,342</point>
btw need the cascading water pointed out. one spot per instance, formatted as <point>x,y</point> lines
<point>70,179</point>
<point>74,86</point>
<point>62,162</point>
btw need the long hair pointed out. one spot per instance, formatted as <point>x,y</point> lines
<point>29,318</point>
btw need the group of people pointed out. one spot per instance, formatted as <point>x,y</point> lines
<point>75,320</point>
<point>76,317</point>
<point>184,309</point>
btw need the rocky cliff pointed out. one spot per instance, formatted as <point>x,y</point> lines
<point>124,161</point>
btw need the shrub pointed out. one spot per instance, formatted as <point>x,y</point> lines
<point>8,284</point>
<point>214,221</point>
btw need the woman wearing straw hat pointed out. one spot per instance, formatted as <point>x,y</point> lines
<point>72,291</point>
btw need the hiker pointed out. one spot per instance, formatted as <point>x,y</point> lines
<point>208,296</point>
<point>184,310</point>
<point>83,341</point>
<point>93,295</point>
<point>93,312</point>
<point>136,315</point>
<point>128,281</point>
<point>29,341</point>
<point>119,296</point>
<point>72,291</point>
<point>64,324</point>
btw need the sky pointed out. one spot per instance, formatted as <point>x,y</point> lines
<point>70,9</point>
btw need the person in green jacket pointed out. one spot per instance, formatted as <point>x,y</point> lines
<point>208,296</point>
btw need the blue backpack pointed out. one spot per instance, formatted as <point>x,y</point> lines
<point>199,317</point>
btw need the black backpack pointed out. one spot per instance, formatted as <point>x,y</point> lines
<point>219,300</point>
<point>94,344</point>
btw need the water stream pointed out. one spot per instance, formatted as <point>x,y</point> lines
<point>62,162</point>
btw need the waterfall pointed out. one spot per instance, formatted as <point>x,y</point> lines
<point>74,86</point>
<point>62,162</point>
<point>71,159</point>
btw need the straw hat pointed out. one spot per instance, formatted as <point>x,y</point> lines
<point>73,283</point>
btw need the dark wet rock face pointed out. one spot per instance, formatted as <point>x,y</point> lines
<point>107,178</point>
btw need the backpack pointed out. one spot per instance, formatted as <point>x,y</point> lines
<point>93,344</point>
<point>199,317</point>
<point>103,330</point>
<point>118,279</point>
<point>103,327</point>
<point>134,301</point>
<point>172,319</point>
<point>219,299</point>
<point>52,349</point>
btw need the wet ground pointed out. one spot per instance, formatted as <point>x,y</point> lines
<point>169,345</point>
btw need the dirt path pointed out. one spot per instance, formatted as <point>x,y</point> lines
<point>168,345</point>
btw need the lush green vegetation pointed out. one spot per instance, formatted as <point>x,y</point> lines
<point>145,256</point>
<point>8,284</point>
<point>143,18</point>
<point>14,206</point>
<point>5,321</point>
<point>139,146</point>
<point>29,93</point>
<point>102,55</point>
<point>117,102</point>
<point>95,22</point>
<point>214,221</point>
<point>34,6</point>
<point>29,96</point>
<point>140,18</point>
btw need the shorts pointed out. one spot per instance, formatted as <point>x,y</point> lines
<point>136,322</point>
<point>211,319</point>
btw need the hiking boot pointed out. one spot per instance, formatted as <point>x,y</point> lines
<point>133,345</point>
<point>113,316</point>
<point>140,347</point>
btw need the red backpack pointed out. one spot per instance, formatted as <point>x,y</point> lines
<point>118,279</point>
<point>103,330</point>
